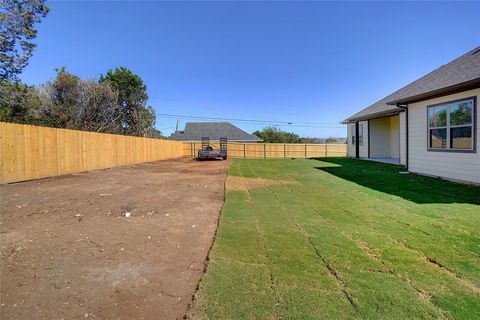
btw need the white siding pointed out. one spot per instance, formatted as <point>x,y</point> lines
<point>364,147</point>
<point>351,147</point>
<point>380,137</point>
<point>403,138</point>
<point>450,165</point>
<point>394,137</point>
<point>363,150</point>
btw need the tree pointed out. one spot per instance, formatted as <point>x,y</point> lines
<point>331,140</point>
<point>19,103</point>
<point>136,118</point>
<point>275,135</point>
<point>17,19</point>
<point>72,103</point>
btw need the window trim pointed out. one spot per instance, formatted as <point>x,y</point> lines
<point>448,127</point>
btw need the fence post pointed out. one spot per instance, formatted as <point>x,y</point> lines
<point>244,155</point>
<point>305,151</point>
<point>326,150</point>
<point>265,151</point>
<point>284,150</point>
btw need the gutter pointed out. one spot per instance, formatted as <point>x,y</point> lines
<point>405,107</point>
<point>379,114</point>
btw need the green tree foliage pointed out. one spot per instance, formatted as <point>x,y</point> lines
<point>135,116</point>
<point>115,106</point>
<point>275,135</point>
<point>462,114</point>
<point>19,103</point>
<point>17,19</point>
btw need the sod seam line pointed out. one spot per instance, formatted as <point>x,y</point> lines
<point>278,298</point>
<point>420,253</point>
<point>341,282</point>
<point>193,300</point>
<point>407,281</point>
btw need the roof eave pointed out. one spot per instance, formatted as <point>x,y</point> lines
<point>386,113</point>
<point>464,86</point>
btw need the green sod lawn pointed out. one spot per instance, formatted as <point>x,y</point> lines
<point>341,238</point>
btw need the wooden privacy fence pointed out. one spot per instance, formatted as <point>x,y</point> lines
<point>273,150</point>
<point>30,152</point>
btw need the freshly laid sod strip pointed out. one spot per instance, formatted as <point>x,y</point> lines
<point>342,239</point>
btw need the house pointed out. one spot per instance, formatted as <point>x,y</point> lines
<point>430,125</point>
<point>195,131</point>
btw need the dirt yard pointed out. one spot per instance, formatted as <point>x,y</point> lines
<point>68,251</point>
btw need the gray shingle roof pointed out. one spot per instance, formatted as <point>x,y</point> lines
<point>462,72</point>
<point>213,130</point>
<point>378,109</point>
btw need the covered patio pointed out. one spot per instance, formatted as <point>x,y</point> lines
<point>384,139</point>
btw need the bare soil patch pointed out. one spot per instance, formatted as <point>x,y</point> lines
<point>67,251</point>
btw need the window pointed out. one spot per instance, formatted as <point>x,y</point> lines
<point>451,125</point>
<point>360,134</point>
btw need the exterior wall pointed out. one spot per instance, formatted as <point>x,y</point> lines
<point>403,137</point>
<point>450,165</point>
<point>364,147</point>
<point>363,150</point>
<point>395,137</point>
<point>350,146</point>
<point>380,137</point>
<point>385,137</point>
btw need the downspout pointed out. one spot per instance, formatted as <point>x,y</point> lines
<point>405,107</point>
<point>357,144</point>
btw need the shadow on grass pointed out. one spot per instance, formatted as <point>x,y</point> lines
<point>386,178</point>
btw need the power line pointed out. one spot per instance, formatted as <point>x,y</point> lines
<point>254,121</point>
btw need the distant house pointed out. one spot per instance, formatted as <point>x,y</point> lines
<point>195,131</point>
<point>430,125</point>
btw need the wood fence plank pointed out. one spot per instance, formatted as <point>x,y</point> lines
<point>31,152</point>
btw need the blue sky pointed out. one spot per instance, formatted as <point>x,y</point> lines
<point>283,61</point>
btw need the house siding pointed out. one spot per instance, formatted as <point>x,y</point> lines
<point>450,165</point>
<point>380,137</point>
<point>363,150</point>
<point>350,146</point>
<point>394,137</point>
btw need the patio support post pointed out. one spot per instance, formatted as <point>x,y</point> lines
<point>368,129</point>
<point>357,144</point>
<point>405,107</point>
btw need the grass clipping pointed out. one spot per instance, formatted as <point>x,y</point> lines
<point>235,183</point>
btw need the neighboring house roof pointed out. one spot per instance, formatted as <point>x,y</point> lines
<point>460,74</point>
<point>214,130</point>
